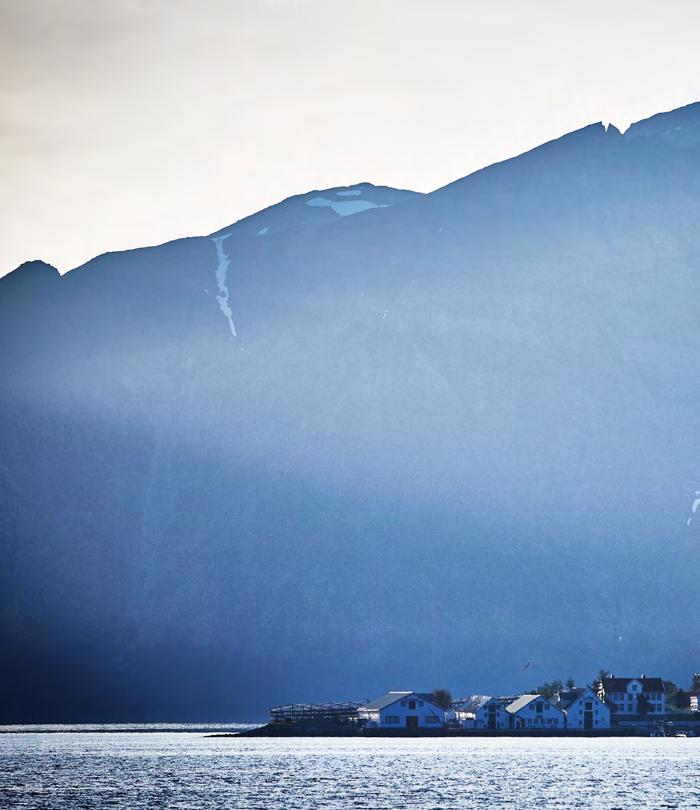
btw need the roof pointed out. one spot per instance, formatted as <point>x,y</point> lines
<point>614,684</point>
<point>506,700</point>
<point>571,696</point>
<point>521,702</point>
<point>385,700</point>
<point>382,702</point>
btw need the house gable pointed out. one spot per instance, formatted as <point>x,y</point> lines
<point>392,698</point>
<point>568,699</point>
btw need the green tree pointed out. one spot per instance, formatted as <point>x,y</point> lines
<point>549,690</point>
<point>671,689</point>
<point>570,683</point>
<point>695,683</point>
<point>682,699</point>
<point>596,683</point>
<point>442,698</point>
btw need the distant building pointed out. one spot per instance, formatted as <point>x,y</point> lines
<point>410,710</point>
<point>584,709</point>
<point>694,701</point>
<point>535,712</point>
<point>634,696</point>
<point>308,713</point>
<point>484,712</point>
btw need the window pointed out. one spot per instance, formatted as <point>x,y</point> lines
<point>539,707</point>
<point>411,704</point>
<point>431,718</point>
<point>391,718</point>
<point>634,687</point>
<point>589,705</point>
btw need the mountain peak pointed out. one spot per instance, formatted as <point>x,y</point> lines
<point>315,208</point>
<point>31,272</point>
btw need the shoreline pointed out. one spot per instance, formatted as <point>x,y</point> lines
<point>297,731</point>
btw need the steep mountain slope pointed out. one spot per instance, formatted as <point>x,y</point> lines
<point>318,455</point>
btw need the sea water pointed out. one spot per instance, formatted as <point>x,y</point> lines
<point>69,769</point>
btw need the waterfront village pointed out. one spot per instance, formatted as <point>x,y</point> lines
<point>611,705</point>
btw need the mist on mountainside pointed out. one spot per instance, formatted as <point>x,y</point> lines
<point>362,440</point>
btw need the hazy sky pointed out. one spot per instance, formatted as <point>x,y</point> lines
<point>131,122</point>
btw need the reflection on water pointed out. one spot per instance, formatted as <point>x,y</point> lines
<point>188,770</point>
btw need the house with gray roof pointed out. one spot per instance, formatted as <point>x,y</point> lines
<point>403,710</point>
<point>584,709</point>
<point>482,712</point>
<point>535,712</point>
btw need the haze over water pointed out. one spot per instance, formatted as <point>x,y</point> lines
<point>163,769</point>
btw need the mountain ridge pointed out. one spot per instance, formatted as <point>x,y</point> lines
<point>423,442</point>
<point>653,125</point>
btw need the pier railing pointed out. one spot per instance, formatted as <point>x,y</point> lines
<point>343,712</point>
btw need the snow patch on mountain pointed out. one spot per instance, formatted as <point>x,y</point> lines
<point>694,508</point>
<point>349,192</point>
<point>344,208</point>
<point>223,263</point>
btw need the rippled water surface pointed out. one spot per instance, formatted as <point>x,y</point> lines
<point>188,770</point>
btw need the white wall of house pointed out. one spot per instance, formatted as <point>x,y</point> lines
<point>463,719</point>
<point>499,714</point>
<point>576,712</point>
<point>627,702</point>
<point>395,715</point>
<point>538,714</point>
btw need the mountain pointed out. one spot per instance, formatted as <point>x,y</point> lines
<point>364,439</point>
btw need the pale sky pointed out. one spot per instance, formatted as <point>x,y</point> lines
<point>126,123</point>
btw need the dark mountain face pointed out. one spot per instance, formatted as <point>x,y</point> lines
<point>362,440</point>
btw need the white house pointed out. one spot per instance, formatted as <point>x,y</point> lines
<point>403,710</point>
<point>633,696</point>
<point>584,709</point>
<point>482,712</point>
<point>535,712</point>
